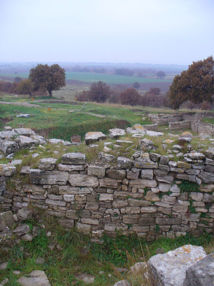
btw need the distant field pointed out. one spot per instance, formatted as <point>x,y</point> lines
<point>90,77</point>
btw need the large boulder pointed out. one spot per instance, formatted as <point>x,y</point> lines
<point>35,278</point>
<point>169,269</point>
<point>201,273</point>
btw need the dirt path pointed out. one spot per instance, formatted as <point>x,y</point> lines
<point>24,103</point>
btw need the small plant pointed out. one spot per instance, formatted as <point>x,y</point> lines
<point>146,191</point>
<point>192,208</point>
<point>188,187</point>
<point>157,228</point>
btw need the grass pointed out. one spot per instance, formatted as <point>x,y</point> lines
<point>74,253</point>
<point>63,121</point>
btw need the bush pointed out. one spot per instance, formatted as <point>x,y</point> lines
<point>130,96</point>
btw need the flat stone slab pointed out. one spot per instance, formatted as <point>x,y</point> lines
<point>92,137</point>
<point>153,133</point>
<point>35,278</point>
<point>116,132</point>
<point>7,170</point>
<point>169,269</point>
<point>201,273</point>
<point>73,158</point>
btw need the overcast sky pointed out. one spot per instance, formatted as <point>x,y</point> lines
<point>144,31</point>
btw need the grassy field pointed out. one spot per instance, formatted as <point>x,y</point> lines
<point>64,120</point>
<point>90,77</point>
<point>67,254</point>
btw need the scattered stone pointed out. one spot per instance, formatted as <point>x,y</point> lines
<point>4,282</point>
<point>122,283</point>
<point>23,115</point>
<point>35,278</point>
<point>3,265</point>
<point>16,272</point>
<point>92,137</point>
<point>40,260</point>
<point>87,278</point>
<point>116,132</point>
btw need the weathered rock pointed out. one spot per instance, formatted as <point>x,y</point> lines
<point>78,180</point>
<point>124,163</point>
<point>201,273</point>
<point>86,278</point>
<point>25,142</point>
<point>35,278</point>
<point>7,170</point>
<point>24,131</point>
<point>3,265</point>
<point>6,220</point>
<point>116,132</point>
<point>98,171</point>
<point>24,214</point>
<point>147,174</point>
<point>116,174</point>
<point>122,283</point>
<point>169,269</point>
<point>153,133</point>
<point>22,229</point>
<point>195,156</point>
<point>48,177</point>
<point>8,146</point>
<point>47,164</point>
<point>92,137</point>
<point>73,158</point>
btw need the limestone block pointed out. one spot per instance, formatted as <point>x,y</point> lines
<point>97,171</point>
<point>169,269</point>
<point>47,164</point>
<point>73,158</point>
<point>201,273</point>
<point>78,180</point>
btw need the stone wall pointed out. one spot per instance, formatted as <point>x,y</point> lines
<point>202,128</point>
<point>179,125</point>
<point>148,195</point>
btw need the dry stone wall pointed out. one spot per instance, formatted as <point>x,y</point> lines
<point>149,195</point>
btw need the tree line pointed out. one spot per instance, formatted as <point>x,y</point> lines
<point>101,92</point>
<point>193,87</point>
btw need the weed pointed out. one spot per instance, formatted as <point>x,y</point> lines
<point>187,186</point>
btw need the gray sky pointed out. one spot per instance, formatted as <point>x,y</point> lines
<point>145,31</point>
